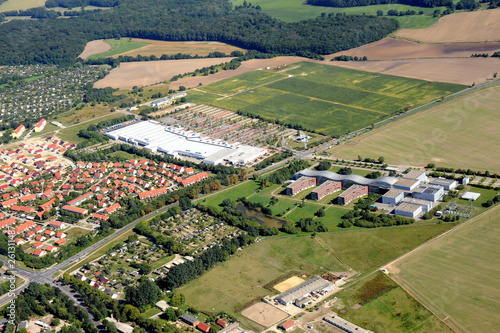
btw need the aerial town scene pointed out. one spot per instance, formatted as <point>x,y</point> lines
<point>228,166</point>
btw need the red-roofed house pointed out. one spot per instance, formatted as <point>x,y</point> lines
<point>113,208</point>
<point>40,125</point>
<point>219,321</point>
<point>37,245</point>
<point>39,253</point>
<point>60,241</point>
<point>288,325</point>
<point>57,225</point>
<point>18,131</point>
<point>8,203</point>
<point>203,327</point>
<point>75,210</point>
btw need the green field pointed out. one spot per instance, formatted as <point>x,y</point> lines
<point>295,10</point>
<point>309,93</point>
<point>459,133</point>
<point>71,133</point>
<point>118,46</point>
<point>456,276</point>
<point>240,280</point>
<point>386,308</point>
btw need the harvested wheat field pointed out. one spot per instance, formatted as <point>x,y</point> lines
<point>158,48</point>
<point>145,73</point>
<point>481,26</point>
<point>394,49</point>
<point>246,66</point>
<point>94,47</point>
<point>288,284</point>
<point>459,133</point>
<point>455,70</point>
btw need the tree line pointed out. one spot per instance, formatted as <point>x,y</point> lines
<point>54,41</point>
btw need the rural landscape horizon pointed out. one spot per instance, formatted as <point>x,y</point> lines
<point>229,166</point>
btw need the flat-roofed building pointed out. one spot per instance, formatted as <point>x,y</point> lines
<point>302,290</point>
<point>431,193</point>
<point>417,174</point>
<point>448,184</point>
<point>426,204</point>
<point>300,184</point>
<point>328,187</point>
<point>344,325</point>
<point>353,192</point>
<point>406,209</point>
<point>472,196</point>
<point>393,197</point>
<point>406,184</point>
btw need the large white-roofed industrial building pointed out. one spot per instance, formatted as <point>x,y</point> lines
<point>303,290</point>
<point>175,141</point>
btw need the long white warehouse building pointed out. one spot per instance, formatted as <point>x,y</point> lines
<point>175,141</point>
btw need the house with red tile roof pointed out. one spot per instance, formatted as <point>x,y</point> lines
<point>24,209</point>
<point>75,210</point>
<point>18,132</point>
<point>29,197</point>
<point>205,328</point>
<point>23,227</point>
<point>60,234</point>
<point>113,208</point>
<point>99,217</point>
<point>39,253</point>
<point>8,203</point>
<point>80,199</point>
<point>152,193</point>
<point>48,205</point>
<point>57,225</point>
<point>40,238</point>
<point>221,322</point>
<point>37,245</point>
<point>60,241</point>
<point>288,325</point>
<point>51,249</point>
<point>5,223</point>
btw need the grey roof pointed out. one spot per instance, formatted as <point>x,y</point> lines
<point>303,289</point>
<point>189,319</point>
<point>385,181</point>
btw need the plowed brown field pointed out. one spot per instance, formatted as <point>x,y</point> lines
<point>455,70</point>
<point>395,49</point>
<point>481,26</point>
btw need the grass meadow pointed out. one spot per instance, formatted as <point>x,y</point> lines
<point>309,93</point>
<point>386,307</point>
<point>119,46</point>
<point>296,10</point>
<point>456,276</point>
<point>458,133</point>
<point>242,279</point>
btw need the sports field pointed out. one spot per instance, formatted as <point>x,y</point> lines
<point>460,133</point>
<point>328,99</point>
<point>456,276</point>
<point>296,10</point>
<point>240,280</point>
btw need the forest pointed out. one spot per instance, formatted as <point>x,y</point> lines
<point>56,41</point>
<point>354,3</point>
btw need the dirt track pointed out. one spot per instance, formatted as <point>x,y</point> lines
<point>94,47</point>
<point>480,26</point>
<point>396,49</point>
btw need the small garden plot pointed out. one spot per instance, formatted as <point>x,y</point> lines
<point>195,231</point>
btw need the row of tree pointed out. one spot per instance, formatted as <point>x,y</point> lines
<point>356,3</point>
